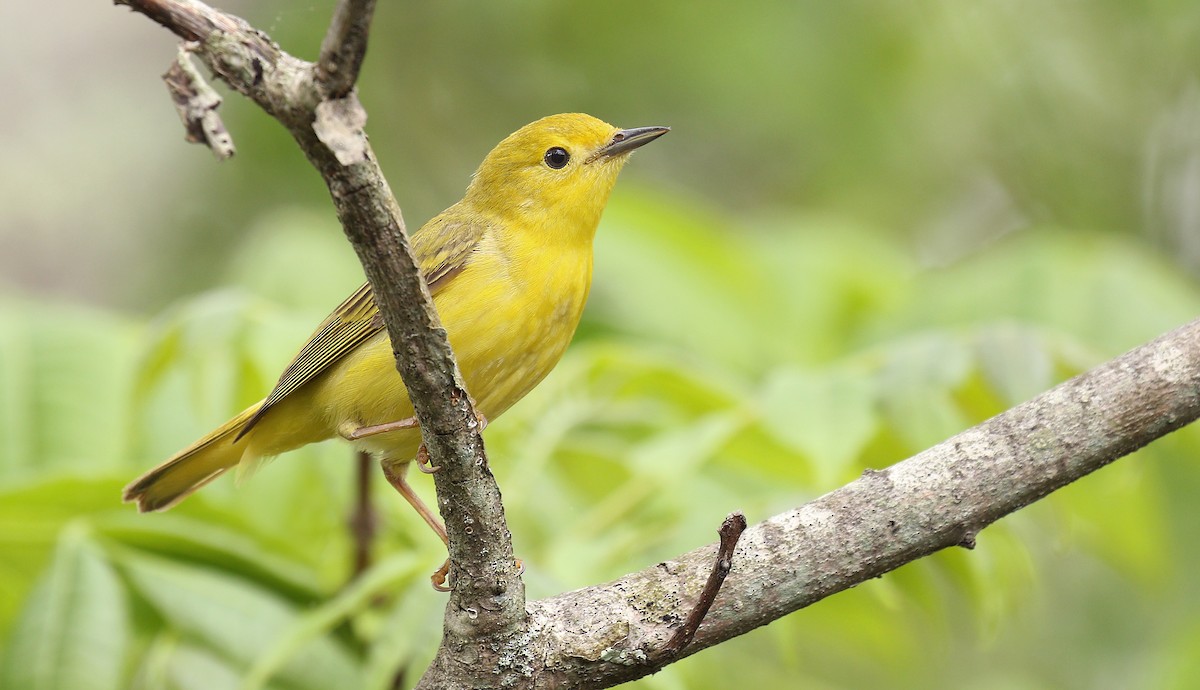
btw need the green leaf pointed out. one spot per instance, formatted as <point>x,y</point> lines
<point>32,516</point>
<point>379,579</point>
<point>234,551</point>
<point>684,283</point>
<point>1015,361</point>
<point>295,236</point>
<point>595,538</point>
<point>194,668</point>
<point>200,367</point>
<point>64,402</point>
<point>238,620</point>
<point>74,631</point>
<point>1107,291</point>
<point>170,664</point>
<point>829,276</point>
<point>406,638</point>
<point>1183,664</point>
<point>1134,539</point>
<point>827,414</point>
<point>915,387</point>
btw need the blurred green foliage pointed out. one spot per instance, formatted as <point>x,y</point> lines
<point>681,402</point>
<point>874,225</point>
<point>940,123</point>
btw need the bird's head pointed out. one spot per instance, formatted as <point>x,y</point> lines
<point>557,172</point>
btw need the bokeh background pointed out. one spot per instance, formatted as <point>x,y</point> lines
<point>874,224</point>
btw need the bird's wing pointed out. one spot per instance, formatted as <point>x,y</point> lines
<point>442,249</point>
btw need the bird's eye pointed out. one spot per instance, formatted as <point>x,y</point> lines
<point>557,158</point>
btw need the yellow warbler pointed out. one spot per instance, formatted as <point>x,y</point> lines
<point>509,268</point>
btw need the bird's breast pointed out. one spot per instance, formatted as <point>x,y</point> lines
<point>510,318</point>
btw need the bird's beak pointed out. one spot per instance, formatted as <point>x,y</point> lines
<point>626,140</point>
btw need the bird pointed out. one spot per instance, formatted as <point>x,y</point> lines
<point>509,268</point>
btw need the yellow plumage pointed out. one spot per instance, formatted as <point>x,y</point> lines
<point>509,268</point>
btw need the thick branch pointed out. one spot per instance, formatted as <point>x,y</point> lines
<point>601,636</point>
<point>488,594</point>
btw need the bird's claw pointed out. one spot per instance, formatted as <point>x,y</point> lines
<point>423,463</point>
<point>479,416</point>
<point>440,576</point>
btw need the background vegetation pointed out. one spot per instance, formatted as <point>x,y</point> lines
<point>875,224</point>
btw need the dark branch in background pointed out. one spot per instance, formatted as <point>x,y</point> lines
<point>607,634</point>
<point>363,519</point>
<point>488,595</point>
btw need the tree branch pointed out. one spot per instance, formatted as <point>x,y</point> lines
<point>345,46</point>
<point>488,595</point>
<point>601,636</point>
<point>730,532</point>
<point>197,104</point>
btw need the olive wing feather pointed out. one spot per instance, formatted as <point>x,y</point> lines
<point>442,249</point>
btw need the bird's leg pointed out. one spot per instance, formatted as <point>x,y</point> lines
<point>395,477</point>
<point>353,433</point>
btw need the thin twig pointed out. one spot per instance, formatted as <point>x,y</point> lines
<point>197,104</point>
<point>344,47</point>
<point>730,531</point>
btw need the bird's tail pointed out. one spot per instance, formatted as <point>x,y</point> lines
<point>191,468</point>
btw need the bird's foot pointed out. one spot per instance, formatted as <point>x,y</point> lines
<point>423,463</point>
<point>479,417</point>
<point>440,576</point>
